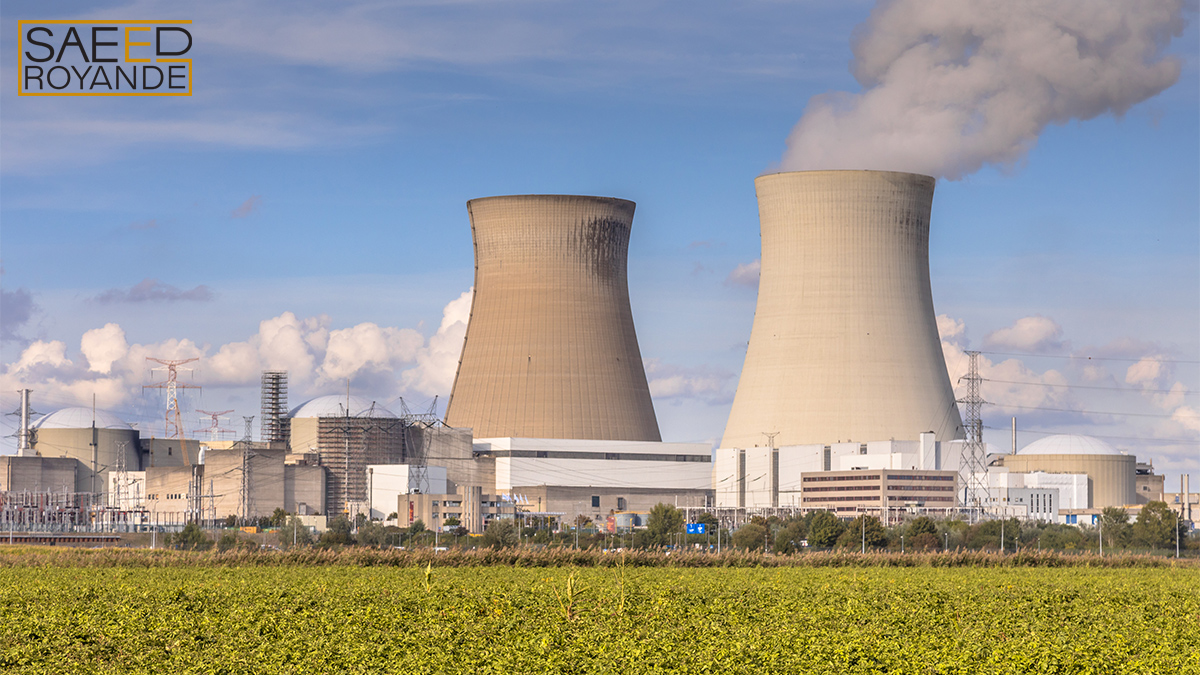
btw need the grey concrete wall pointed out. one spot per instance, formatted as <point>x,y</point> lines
<point>844,345</point>
<point>223,479</point>
<point>304,485</point>
<point>77,444</point>
<point>39,474</point>
<point>161,453</point>
<point>550,350</point>
<point>453,450</point>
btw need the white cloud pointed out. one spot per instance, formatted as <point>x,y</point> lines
<point>1028,334</point>
<point>952,330</point>
<point>382,361</point>
<point>103,346</point>
<point>705,384</point>
<point>437,363</point>
<point>745,274</point>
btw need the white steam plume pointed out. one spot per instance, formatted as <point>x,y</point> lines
<point>952,85</point>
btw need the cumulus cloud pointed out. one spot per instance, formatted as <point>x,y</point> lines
<point>705,384</point>
<point>16,309</point>
<point>153,290</point>
<point>952,330</point>
<point>1036,389</point>
<point>745,274</point>
<point>103,346</point>
<point>437,362</point>
<point>382,361</point>
<point>1036,334</point>
<point>950,86</point>
<point>246,208</point>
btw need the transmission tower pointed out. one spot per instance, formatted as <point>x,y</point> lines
<point>972,468</point>
<point>122,478</point>
<point>417,428</point>
<point>247,497</point>
<point>174,425</point>
<point>215,430</point>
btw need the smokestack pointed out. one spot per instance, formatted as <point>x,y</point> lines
<point>550,350</point>
<point>1014,436</point>
<point>24,446</point>
<point>845,344</point>
<point>1186,511</point>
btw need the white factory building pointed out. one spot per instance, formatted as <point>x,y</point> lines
<point>764,477</point>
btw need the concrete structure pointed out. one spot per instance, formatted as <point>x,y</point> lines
<point>386,482</point>
<point>470,506</point>
<point>665,467</point>
<point>38,474</point>
<point>765,477</point>
<point>1150,487</point>
<point>1111,474</point>
<point>347,433</point>
<point>1034,496</point>
<point>599,503</point>
<point>845,344</point>
<point>129,495</point>
<point>93,438</point>
<point>550,350</point>
<point>880,492</point>
<point>453,450</point>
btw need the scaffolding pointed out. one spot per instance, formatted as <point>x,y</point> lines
<point>346,445</point>
<point>273,424</point>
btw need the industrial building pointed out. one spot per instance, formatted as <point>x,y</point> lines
<point>1111,475</point>
<point>98,439</point>
<point>844,345</point>
<point>468,507</point>
<point>346,433</point>
<point>550,350</point>
<point>766,477</point>
<point>879,492</point>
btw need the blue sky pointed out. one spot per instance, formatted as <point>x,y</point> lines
<point>323,165</point>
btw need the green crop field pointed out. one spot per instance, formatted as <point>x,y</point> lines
<point>509,620</point>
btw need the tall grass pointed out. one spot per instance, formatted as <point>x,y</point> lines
<point>49,556</point>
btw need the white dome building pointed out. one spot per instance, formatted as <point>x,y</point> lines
<point>1068,444</point>
<point>336,405</point>
<point>347,433</point>
<point>1111,474</point>
<point>69,433</point>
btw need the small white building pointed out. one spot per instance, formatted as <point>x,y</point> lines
<point>386,482</point>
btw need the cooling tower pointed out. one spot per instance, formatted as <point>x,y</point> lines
<point>550,350</point>
<point>845,344</point>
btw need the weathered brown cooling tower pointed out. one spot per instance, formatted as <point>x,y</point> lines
<point>550,350</point>
<point>845,345</point>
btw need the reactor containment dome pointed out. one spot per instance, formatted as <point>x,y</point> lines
<point>550,350</point>
<point>844,345</point>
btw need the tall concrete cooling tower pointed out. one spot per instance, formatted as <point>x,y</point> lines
<point>845,345</point>
<point>550,350</point>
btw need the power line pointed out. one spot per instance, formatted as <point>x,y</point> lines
<point>1118,438</point>
<point>1086,386</point>
<point>1086,412</point>
<point>1089,358</point>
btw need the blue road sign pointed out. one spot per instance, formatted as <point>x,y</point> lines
<point>695,528</point>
